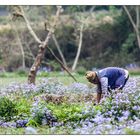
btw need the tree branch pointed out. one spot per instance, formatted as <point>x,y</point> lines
<point>61,64</point>
<point>29,26</point>
<point>137,16</point>
<point>130,17</point>
<point>133,24</point>
<point>59,50</point>
<point>52,27</point>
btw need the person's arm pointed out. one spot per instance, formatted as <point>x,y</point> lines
<point>98,97</point>
<point>99,93</point>
<point>102,88</point>
<point>104,85</point>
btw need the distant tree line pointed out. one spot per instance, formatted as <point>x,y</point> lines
<point>108,37</point>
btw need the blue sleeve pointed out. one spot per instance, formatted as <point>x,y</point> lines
<point>104,84</point>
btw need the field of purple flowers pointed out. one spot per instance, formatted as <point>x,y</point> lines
<point>69,109</point>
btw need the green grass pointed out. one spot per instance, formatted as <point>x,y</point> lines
<point>132,132</point>
<point>15,77</point>
<point>12,131</point>
<point>134,73</point>
<point>8,78</point>
<point>58,131</point>
<point>6,81</point>
<point>44,130</point>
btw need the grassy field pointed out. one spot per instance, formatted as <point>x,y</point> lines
<point>74,109</point>
<point>9,78</point>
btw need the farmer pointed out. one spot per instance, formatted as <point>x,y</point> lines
<point>108,79</point>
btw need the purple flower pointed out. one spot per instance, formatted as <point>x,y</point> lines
<point>126,114</point>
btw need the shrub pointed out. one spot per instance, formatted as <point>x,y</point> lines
<point>40,115</point>
<point>7,109</point>
<point>23,107</point>
<point>52,86</point>
<point>66,112</point>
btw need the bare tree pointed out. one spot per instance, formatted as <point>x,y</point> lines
<point>79,48</point>
<point>42,45</point>
<point>134,23</point>
<point>82,25</point>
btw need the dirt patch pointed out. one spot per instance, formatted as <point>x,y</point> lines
<point>71,98</point>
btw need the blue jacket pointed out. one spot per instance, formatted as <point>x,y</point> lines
<point>108,77</point>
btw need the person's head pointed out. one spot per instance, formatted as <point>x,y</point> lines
<point>92,77</point>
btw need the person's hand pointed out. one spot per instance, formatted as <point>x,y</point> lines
<point>118,90</point>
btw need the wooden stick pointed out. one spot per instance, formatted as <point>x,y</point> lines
<point>61,64</point>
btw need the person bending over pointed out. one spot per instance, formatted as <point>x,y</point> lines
<point>108,79</point>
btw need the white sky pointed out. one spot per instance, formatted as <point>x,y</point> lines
<point>69,2</point>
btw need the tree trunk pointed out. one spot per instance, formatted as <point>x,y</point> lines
<point>79,48</point>
<point>34,68</point>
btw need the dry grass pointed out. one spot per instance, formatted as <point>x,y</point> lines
<point>71,98</point>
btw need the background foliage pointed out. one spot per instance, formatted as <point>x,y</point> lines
<point>108,37</point>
